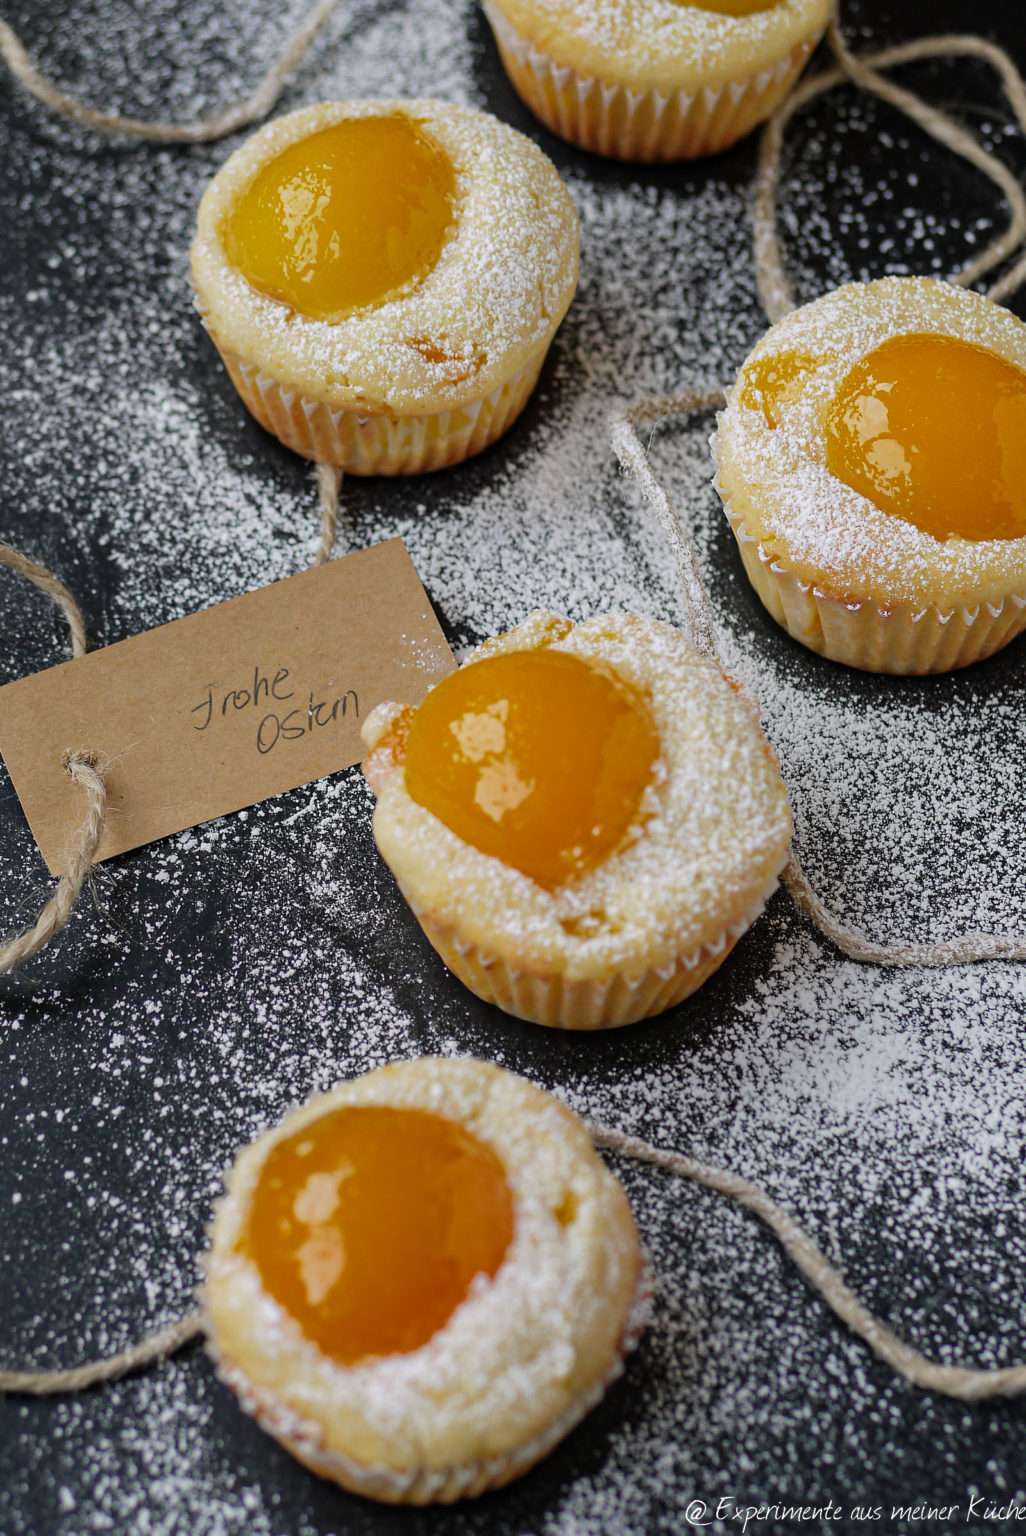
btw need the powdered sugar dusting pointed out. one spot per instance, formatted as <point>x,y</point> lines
<point>777,475</point>
<point>661,43</point>
<point>224,975</point>
<point>490,301</point>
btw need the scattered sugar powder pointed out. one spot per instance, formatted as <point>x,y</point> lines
<point>777,478</point>
<point>223,975</point>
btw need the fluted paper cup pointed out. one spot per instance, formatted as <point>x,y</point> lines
<point>379,444</point>
<point>609,118</point>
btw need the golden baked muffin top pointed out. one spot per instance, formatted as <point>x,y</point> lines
<point>875,441</point>
<point>667,45</point>
<point>698,847</point>
<point>536,1331</point>
<point>479,274</point>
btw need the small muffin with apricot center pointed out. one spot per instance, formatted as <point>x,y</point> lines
<point>584,818</point>
<point>872,463</point>
<point>383,279</point>
<point>654,80</point>
<point>421,1281</point>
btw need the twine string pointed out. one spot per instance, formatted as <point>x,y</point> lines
<point>772,282</point>
<point>240,114</point>
<point>627,446</point>
<point>965,949</point>
<point>966,1384</point>
<point>329,489</point>
<point>47,582</point>
<point>155,1346</point>
<point>865,73</point>
<point>84,770</point>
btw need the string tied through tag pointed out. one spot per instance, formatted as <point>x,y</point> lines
<point>84,769</point>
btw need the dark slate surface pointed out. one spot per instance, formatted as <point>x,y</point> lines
<point>217,979</point>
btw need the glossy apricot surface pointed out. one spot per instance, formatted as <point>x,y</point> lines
<point>369,1225</point>
<point>538,758</point>
<point>732,7</point>
<point>342,219</point>
<point>932,429</point>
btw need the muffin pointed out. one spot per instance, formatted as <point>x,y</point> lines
<point>654,79</point>
<point>871,459</point>
<point>383,279</point>
<point>421,1281</point>
<point>584,819</point>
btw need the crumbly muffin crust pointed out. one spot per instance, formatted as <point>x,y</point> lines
<point>775,483</point>
<point>715,834</point>
<point>525,1355</point>
<point>490,305</point>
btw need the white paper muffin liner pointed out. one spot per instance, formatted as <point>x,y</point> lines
<point>608,1002</point>
<point>906,639</point>
<point>649,125</point>
<point>378,444</point>
<point>427,1485</point>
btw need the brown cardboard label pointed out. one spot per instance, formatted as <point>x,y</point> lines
<point>226,707</point>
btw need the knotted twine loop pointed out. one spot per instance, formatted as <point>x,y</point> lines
<point>83,766</point>
<point>85,771</point>
<point>89,776</point>
<point>250,109</point>
<point>774,288</point>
